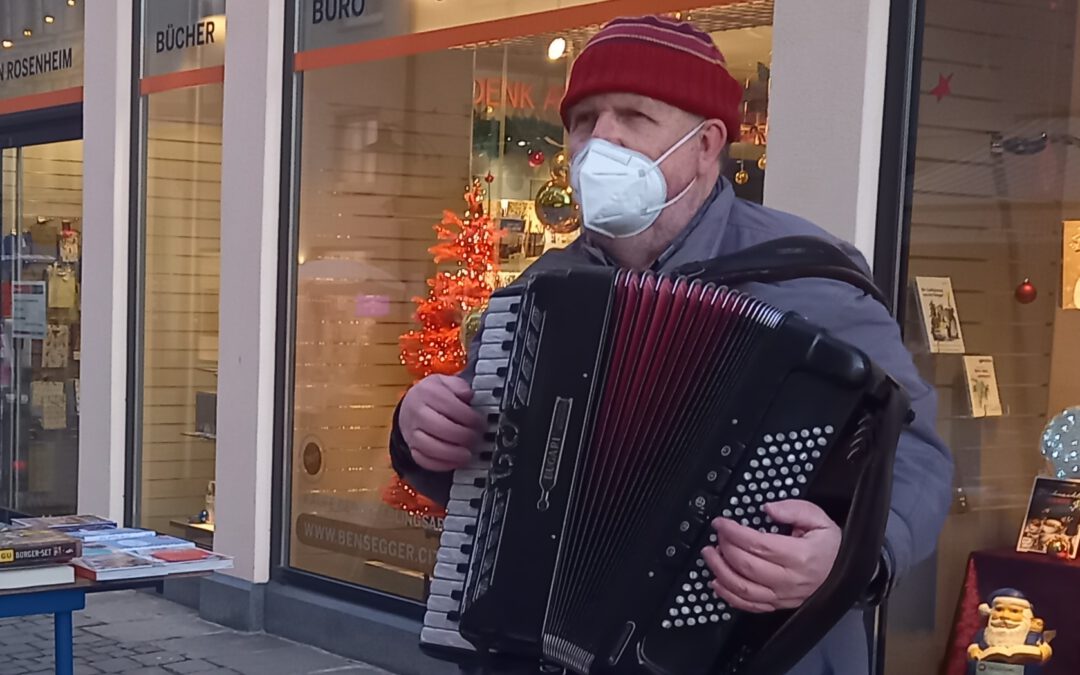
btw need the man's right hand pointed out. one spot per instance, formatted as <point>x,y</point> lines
<point>438,424</point>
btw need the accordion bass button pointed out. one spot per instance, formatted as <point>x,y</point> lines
<point>717,479</point>
<point>674,554</point>
<point>690,528</point>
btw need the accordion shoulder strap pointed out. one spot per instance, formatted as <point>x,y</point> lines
<point>783,259</point>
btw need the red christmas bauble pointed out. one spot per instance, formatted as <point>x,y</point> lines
<point>536,158</point>
<point>489,178</point>
<point>1026,292</point>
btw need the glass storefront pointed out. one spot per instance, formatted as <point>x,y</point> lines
<point>41,270</point>
<point>398,129</point>
<point>41,59</point>
<point>181,251</point>
<point>992,313</point>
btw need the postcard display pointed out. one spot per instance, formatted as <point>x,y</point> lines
<point>944,335</point>
<point>1013,639</point>
<point>40,354</point>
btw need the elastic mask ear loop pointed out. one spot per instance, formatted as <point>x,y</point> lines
<point>681,142</point>
<point>670,201</point>
<point>664,156</point>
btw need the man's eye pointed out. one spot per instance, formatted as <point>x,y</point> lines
<point>582,122</point>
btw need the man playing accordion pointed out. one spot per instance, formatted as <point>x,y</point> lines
<point>655,95</point>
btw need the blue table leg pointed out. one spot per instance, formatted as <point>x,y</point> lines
<point>62,634</point>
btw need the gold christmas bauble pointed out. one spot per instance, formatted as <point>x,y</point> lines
<point>556,208</point>
<point>470,326</point>
<point>560,167</point>
<point>761,162</point>
<point>742,177</point>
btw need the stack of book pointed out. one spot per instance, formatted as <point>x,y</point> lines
<point>107,552</point>
<point>31,557</point>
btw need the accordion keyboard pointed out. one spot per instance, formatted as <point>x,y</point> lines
<point>440,627</point>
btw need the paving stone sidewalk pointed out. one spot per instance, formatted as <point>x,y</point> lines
<point>132,633</point>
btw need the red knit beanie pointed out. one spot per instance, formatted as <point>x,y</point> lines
<point>663,59</point>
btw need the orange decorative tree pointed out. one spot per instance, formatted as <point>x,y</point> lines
<point>470,242</point>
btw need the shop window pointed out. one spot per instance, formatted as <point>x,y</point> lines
<point>182,271</point>
<point>41,77</point>
<point>183,42</point>
<point>396,138</point>
<point>991,311</point>
<point>40,352</point>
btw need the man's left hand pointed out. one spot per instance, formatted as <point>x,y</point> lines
<point>763,572</point>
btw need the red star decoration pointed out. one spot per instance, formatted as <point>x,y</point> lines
<point>943,87</point>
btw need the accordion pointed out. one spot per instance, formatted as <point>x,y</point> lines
<point>626,411</point>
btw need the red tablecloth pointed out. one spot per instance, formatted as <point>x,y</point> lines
<point>1053,587</point>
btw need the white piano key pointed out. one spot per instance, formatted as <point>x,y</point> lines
<point>451,556</point>
<point>438,637</point>
<point>442,603</point>
<point>498,319</point>
<point>448,572</point>
<point>492,366</point>
<point>444,587</point>
<point>488,382</point>
<point>454,539</point>
<point>457,523</point>
<point>439,620</point>
<point>497,305</point>
<point>493,350</point>
<point>456,507</point>
<point>468,476</point>
<point>465,492</point>
<point>486,398</point>
<point>496,335</point>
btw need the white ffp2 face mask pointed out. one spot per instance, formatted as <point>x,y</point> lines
<point>621,192</point>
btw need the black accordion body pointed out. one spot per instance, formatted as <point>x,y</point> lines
<point>627,410</point>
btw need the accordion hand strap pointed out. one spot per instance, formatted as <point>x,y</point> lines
<point>783,259</point>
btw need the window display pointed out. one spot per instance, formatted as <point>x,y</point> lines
<point>414,205</point>
<point>41,271</point>
<point>990,319</point>
<point>181,254</point>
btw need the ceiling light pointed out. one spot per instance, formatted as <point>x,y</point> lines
<point>7,44</point>
<point>71,3</point>
<point>557,48</point>
<point>27,32</point>
<point>49,18</point>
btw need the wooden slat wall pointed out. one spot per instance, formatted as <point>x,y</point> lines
<point>380,163</point>
<point>987,222</point>
<point>183,253</point>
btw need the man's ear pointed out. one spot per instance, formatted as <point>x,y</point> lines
<point>714,137</point>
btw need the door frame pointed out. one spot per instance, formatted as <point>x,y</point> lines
<point>33,127</point>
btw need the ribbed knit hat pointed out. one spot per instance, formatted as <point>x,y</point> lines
<point>670,61</point>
